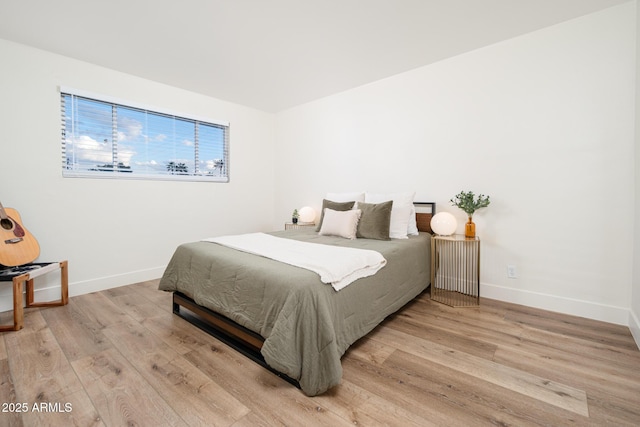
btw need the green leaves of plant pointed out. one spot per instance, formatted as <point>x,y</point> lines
<point>468,202</point>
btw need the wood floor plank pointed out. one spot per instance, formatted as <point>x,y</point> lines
<point>573,359</point>
<point>518,335</point>
<point>363,407</point>
<point>470,322</point>
<point>600,385</point>
<point>44,379</point>
<point>414,325</point>
<point>98,308</point>
<point>573,326</point>
<point>193,395</point>
<point>149,290</point>
<point>254,420</point>
<point>42,369</point>
<point>264,392</point>
<point>135,306</point>
<point>528,339</point>
<point>622,358</point>
<point>77,334</point>
<point>3,348</point>
<point>375,351</point>
<point>176,332</point>
<point>81,412</point>
<point>8,417</point>
<point>120,394</point>
<point>423,399</point>
<point>486,402</point>
<point>518,381</point>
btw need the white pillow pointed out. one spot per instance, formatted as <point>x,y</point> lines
<point>413,222</point>
<point>345,197</point>
<point>400,212</point>
<point>340,223</point>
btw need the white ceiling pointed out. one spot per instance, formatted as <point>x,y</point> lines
<point>274,54</point>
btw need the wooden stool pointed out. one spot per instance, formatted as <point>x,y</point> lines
<point>27,278</point>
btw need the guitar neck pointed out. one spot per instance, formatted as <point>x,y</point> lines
<point>3,214</point>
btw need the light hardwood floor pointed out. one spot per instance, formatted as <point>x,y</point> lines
<point>121,358</point>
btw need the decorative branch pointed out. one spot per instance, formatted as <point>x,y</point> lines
<point>468,202</point>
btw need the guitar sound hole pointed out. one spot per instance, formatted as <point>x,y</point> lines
<point>6,224</point>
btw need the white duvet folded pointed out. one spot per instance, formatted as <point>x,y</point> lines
<point>338,266</point>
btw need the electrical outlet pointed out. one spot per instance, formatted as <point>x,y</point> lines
<point>512,272</point>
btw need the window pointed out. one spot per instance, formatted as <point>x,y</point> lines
<point>106,139</point>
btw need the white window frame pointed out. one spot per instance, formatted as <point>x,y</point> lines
<point>67,171</point>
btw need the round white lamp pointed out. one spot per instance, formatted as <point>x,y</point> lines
<point>307,215</point>
<point>444,224</point>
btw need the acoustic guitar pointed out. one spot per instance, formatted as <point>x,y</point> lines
<point>17,245</point>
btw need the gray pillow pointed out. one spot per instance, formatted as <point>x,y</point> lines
<point>336,206</point>
<point>375,220</point>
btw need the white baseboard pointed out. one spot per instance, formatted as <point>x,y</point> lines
<point>575,307</point>
<point>47,287</point>
<point>100,284</point>
<point>634,326</point>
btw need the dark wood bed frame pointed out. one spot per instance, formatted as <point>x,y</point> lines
<point>224,329</point>
<point>244,340</point>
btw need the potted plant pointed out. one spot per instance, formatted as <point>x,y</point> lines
<point>294,216</point>
<point>469,203</point>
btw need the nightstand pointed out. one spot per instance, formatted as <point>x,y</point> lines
<point>455,270</point>
<point>292,226</point>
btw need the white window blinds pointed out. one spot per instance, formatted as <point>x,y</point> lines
<point>107,139</point>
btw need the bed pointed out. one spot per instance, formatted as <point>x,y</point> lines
<point>283,316</point>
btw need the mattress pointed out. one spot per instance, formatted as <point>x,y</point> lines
<point>307,326</point>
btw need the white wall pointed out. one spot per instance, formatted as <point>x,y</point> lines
<point>543,123</point>
<point>634,315</point>
<point>116,232</point>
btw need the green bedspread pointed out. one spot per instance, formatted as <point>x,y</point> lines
<point>306,324</point>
